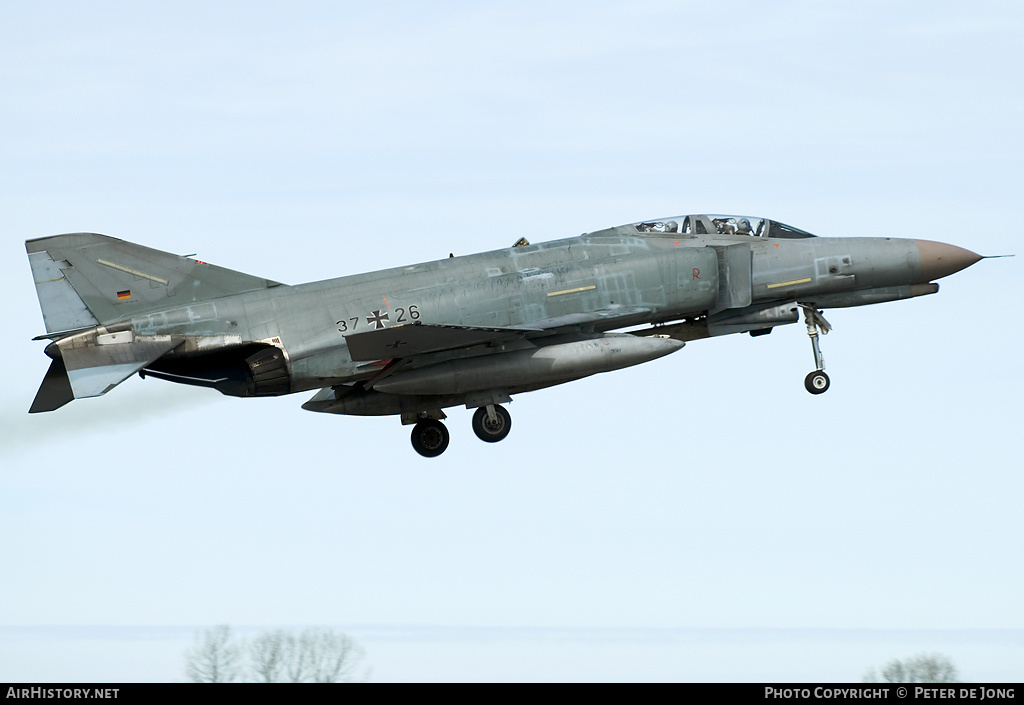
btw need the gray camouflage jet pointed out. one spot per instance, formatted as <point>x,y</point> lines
<point>470,331</point>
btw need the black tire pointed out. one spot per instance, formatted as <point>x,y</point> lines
<point>817,382</point>
<point>488,431</point>
<point>430,438</point>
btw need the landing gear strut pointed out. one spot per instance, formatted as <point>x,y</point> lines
<point>491,423</point>
<point>430,438</point>
<point>816,382</point>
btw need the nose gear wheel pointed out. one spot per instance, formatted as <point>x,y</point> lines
<point>817,382</point>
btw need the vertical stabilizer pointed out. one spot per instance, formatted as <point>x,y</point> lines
<point>63,309</point>
<point>86,282</point>
<point>85,279</point>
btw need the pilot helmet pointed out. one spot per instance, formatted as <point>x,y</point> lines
<point>743,225</point>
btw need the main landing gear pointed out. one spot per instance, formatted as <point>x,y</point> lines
<point>430,438</point>
<point>491,424</point>
<point>816,382</point>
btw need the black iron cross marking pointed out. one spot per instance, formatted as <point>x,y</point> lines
<point>377,319</point>
<point>395,345</point>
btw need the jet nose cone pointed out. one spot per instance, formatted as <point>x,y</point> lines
<point>940,260</point>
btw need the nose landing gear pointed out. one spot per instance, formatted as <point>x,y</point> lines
<point>817,382</point>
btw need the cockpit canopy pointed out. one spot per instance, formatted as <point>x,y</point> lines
<point>721,225</point>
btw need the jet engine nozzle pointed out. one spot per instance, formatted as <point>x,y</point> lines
<point>940,260</point>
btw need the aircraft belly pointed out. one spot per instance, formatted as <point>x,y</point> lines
<point>355,401</point>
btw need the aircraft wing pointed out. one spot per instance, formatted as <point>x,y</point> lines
<point>412,339</point>
<point>605,319</point>
<point>420,339</point>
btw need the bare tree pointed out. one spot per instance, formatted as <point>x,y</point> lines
<point>922,668</point>
<point>333,656</point>
<point>313,656</point>
<point>268,653</point>
<point>321,656</point>
<point>214,658</point>
<point>298,659</point>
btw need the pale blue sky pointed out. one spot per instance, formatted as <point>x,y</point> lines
<point>703,490</point>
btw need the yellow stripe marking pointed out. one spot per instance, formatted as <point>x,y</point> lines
<point>136,272</point>
<point>572,291</point>
<point>795,281</point>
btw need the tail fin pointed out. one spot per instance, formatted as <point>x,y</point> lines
<point>84,280</point>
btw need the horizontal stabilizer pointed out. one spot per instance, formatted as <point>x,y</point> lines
<point>96,368</point>
<point>55,391</point>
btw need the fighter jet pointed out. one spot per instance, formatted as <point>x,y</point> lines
<point>461,331</point>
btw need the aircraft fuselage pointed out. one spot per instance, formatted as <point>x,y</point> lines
<point>460,330</point>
